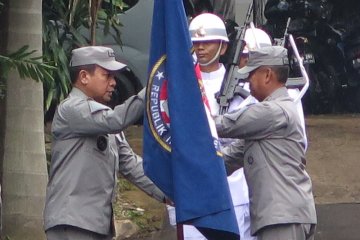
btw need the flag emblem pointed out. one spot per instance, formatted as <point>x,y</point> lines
<point>158,111</point>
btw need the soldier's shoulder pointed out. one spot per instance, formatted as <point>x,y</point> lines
<point>80,104</point>
<point>73,103</point>
<point>95,106</point>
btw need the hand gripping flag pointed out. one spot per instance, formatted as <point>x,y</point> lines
<point>180,152</point>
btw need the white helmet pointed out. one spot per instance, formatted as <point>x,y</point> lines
<point>256,38</point>
<point>207,27</point>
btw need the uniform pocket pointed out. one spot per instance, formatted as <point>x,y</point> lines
<point>98,146</point>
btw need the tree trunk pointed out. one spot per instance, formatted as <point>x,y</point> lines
<point>24,174</point>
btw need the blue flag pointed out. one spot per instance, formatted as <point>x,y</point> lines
<point>179,151</point>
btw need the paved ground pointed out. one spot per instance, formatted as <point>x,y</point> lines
<point>333,162</point>
<point>336,222</point>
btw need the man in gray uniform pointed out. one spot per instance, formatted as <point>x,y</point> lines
<point>280,190</point>
<point>89,149</point>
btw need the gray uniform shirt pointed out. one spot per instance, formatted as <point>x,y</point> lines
<point>280,189</point>
<point>88,151</point>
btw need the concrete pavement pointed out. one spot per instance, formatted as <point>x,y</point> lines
<point>339,221</point>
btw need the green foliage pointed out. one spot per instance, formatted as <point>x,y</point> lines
<point>27,66</point>
<point>124,185</point>
<point>25,63</point>
<point>59,37</point>
<point>66,25</point>
<point>108,18</point>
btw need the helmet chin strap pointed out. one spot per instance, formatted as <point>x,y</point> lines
<point>214,58</point>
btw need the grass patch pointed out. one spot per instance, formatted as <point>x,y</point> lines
<point>132,204</point>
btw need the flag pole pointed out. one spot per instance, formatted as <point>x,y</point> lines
<point>180,231</point>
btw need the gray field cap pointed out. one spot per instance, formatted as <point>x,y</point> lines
<point>265,56</point>
<point>102,56</point>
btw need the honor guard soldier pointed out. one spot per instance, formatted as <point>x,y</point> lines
<point>210,40</point>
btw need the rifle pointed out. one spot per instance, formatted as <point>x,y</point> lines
<point>292,82</point>
<point>230,85</point>
<point>281,41</point>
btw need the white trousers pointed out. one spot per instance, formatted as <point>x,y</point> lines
<point>242,217</point>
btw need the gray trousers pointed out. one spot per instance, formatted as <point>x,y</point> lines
<point>295,231</point>
<point>66,232</point>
